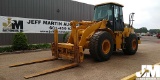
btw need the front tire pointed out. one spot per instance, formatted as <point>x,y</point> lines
<point>101,46</point>
<point>131,45</point>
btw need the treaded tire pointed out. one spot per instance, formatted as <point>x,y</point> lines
<point>128,46</point>
<point>95,46</point>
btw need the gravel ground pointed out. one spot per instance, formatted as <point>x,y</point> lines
<point>117,67</point>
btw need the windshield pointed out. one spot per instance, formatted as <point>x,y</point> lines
<point>103,12</point>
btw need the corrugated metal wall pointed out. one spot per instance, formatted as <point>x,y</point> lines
<point>47,9</point>
<point>33,38</point>
<point>65,10</point>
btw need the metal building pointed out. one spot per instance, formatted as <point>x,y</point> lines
<point>65,10</point>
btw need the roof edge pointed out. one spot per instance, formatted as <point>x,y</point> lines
<point>110,3</point>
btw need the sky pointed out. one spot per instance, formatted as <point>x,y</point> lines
<point>147,12</point>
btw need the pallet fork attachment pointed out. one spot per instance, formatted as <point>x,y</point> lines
<point>69,51</point>
<point>52,70</point>
<point>45,71</point>
<point>31,62</point>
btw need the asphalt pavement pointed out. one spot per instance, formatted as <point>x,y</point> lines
<point>117,67</point>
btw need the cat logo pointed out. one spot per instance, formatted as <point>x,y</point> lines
<point>13,25</point>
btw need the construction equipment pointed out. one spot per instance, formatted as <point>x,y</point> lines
<point>105,34</point>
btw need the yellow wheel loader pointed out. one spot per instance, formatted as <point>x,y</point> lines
<point>105,34</point>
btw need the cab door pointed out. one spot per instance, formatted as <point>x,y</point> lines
<point>118,18</point>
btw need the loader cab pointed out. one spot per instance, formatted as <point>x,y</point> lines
<point>112,12</point>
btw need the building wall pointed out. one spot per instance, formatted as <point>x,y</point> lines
<point>33,38</point>
<point>65,10</point>
<point>47,9</point>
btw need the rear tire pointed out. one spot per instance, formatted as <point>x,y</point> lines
<point>131,45</point>
<point>101,46</point>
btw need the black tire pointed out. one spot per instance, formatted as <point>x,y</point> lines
<point>66,37</point>
<point>95,46</point>
<point>129,49</point>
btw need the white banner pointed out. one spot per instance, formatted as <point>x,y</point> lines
<point>30,25</point>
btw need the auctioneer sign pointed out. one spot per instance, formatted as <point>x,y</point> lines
<point>29,25</point>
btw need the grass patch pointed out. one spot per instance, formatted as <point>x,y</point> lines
<point>30,47</point>
<point>6,49</point>
<point>39,46</point>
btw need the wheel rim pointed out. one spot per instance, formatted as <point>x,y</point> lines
<point>134,45</point>
<point>106,46</point>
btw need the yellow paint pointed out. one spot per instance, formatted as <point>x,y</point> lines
<point>81,55</point>
<point>118,40</point>
<point>55,52</point>
<point>134,46</point>
<point>88,31</point>
<point>139,41</point>
<point>103,25</point>
<point>80,37</point>
<point>86,46</point>
<point>126,32</point>
<point>106,46</point>
<point>65,45</point>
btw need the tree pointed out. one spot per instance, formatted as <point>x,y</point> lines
<point>154,31</point>
<point>158,31</point>
<point>143,30</point>
<point>20,41</point>
<point>137,30</point>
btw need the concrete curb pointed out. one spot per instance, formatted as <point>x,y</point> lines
<point>24,51</point>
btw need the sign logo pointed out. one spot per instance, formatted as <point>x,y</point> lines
<point>30,25</point>
<point>13,25</point>
<point>149,72</point>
